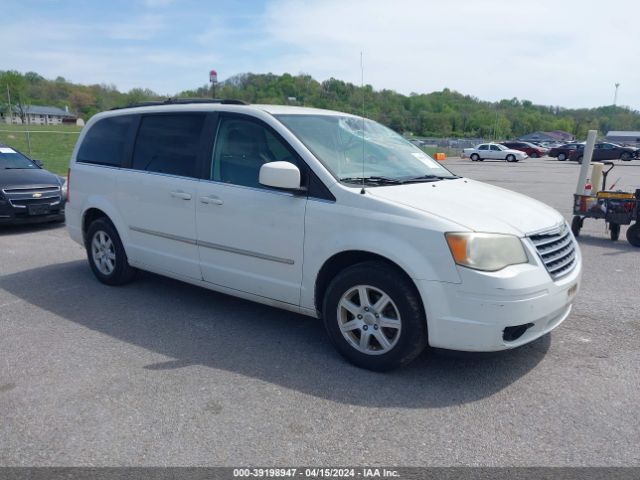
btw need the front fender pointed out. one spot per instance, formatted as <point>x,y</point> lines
<point>404,240</point>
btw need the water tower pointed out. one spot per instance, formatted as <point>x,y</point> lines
<point>213,79</point>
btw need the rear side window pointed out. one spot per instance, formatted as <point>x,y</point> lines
<point>169,144</point>
<point>105,143</point>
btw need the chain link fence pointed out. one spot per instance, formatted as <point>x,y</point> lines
<point>50,144</point>
<point>451,147</point>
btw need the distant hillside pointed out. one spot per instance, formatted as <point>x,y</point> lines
<point>439,114</point>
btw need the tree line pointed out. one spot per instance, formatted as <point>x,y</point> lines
<point>446,113</point>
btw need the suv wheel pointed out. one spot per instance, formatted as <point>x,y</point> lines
<point>374,316</point>
<point>106,254</point>
<point>562,157</point>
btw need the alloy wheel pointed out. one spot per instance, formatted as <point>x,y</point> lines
<point>369,320</point>
<point>103,253</point>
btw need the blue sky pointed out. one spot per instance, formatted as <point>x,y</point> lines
<point>567,52</point>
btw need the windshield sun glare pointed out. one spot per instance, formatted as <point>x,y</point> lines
<point>352,148</point>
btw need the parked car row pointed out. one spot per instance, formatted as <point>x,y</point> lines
<point>569,151</point>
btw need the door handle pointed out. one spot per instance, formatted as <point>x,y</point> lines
<point>181,195</point>
<point>211,200</point>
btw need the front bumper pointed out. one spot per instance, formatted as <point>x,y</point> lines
<point>472,316</point>
<point>10,215</point>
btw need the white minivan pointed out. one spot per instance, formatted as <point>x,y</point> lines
<point>325,214</point>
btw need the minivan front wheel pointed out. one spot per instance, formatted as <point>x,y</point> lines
<point>374,316</point>
<point>106,255</point>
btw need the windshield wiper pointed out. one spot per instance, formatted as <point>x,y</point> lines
<point>428,178</point>
<point>372,180</point>
<point>16,168</point>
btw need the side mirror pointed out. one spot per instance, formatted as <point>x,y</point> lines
<point>39,163</point>
<point>283,175</point>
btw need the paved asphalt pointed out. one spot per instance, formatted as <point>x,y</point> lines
<point>163,373</point>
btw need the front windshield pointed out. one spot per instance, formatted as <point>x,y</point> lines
<point>10,160</point>
<point>342,142</point>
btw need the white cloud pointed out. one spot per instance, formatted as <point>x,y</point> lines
<point>562,53</point>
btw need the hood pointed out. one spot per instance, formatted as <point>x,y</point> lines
<point>33,177</point>
<point>474,205</point>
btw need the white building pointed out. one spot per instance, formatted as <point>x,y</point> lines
<point>39,115</point>
<point>623,137</point>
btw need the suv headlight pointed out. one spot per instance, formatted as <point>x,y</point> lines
<point>486,251</point>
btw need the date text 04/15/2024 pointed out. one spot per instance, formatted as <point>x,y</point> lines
<point>315,472</point>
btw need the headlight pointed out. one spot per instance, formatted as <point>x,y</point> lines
<point>486,251</point>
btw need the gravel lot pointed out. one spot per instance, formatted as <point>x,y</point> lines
<point>163,373</point>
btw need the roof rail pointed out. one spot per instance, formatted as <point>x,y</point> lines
<point>183,101</point>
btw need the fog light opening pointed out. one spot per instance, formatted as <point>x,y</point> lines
<point>511,334</point>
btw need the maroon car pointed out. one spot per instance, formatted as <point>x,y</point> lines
<point>530,149</point>
<point>605,151</point>
<point>565,151</point>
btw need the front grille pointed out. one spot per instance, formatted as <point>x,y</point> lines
<point>557,250</point>
<point>21,197</point>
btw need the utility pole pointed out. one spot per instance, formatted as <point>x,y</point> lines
<point>615,95</point>
<point>10,108</point>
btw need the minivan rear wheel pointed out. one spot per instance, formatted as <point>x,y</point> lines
<point>374,316</point>
<point>106,255</point>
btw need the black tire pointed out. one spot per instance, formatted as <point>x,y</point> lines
<point>475,157</point>
<point>510,158</point>
<point>576,226</point>
<point>535,155</point>
<point>580,159</point>
<point>122,272</point>
<point>614,231</point>
<point>411,339</point>
<point>633,235</point>
<point>626,156</point>
<point>562,157</point>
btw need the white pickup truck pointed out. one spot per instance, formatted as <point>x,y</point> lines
<point>493,151</point>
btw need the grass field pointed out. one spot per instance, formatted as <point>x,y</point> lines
<point>52,144</point>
